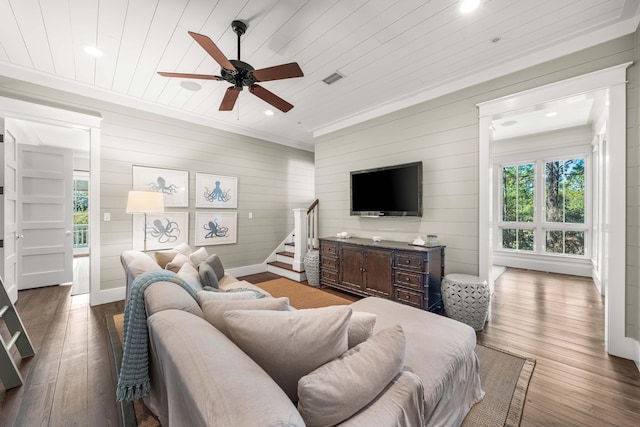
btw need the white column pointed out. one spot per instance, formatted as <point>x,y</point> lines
<point>299,238</point>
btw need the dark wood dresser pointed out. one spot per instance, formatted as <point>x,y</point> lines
<point>394,270</point>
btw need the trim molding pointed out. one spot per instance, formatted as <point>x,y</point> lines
<point>247,270</point>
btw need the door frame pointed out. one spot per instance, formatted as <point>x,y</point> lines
<point>613,80</point>
<point>23,110</point>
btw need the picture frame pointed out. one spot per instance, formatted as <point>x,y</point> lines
<point>164,230</point>
<point>216,228</point>
<point>216,191</point>
<point>174,184</point>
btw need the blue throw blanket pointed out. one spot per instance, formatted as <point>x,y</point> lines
<point>133,382</point>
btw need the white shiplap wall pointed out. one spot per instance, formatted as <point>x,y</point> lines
<point>443,133</point>
<point>272,178</point>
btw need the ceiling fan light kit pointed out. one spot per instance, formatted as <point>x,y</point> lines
<point>241,74</point>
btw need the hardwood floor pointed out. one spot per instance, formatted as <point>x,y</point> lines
<point>70,381</point>
<point>557,319</point>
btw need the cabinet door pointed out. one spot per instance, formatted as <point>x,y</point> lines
<point>353,262</point>
<point>379,274</point>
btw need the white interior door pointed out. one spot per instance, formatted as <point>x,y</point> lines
<point>8,210</point>
<point>45,209</point>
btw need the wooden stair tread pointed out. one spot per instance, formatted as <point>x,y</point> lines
<point>285,266</point>
<point>287,254</point>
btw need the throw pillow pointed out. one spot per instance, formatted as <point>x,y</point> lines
<point>214,262</point>
<point>189,274</point>
<point>165,257</point>
<point>207,275</point>
<point>183,248</point>
<point>360,327</point>
<point>177,262</point>
<point>199,256</point>
<point>214,310</point>
<point>224,296</point>
<point>290,344</point>
<point>326,395</point>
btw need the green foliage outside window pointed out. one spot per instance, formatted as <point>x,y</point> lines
<point>565,191</point>
<point>80,201</point>
<point>518,191</point>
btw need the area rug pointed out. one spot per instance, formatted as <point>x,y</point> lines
<point>300,295</point>
<point>505,379</point>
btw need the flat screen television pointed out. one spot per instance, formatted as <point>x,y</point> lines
<point>387,191</point>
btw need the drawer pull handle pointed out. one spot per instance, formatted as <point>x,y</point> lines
<point>408,261</point>
<point>407,296</point>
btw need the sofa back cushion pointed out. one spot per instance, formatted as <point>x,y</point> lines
<point>160,296</point>
<point>214,310</point>
<point>290,344</point>
<point>135,263</point>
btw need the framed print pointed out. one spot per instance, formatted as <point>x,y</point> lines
<point>216,191</point>
<point>164,230</point>
<point>216,228</point>
<point>173,184</point>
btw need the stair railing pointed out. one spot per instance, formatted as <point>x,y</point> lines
<point>312,225</point>
<point>305,233</point>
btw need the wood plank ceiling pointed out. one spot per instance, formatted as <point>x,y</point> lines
<point>392,53</point>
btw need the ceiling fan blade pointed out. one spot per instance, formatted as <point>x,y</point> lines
<point>270,98</point>
<point>190,76</point>
<point>279,72</point>
<point>211,48</point>
<point>230,97</point>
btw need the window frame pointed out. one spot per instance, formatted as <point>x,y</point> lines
<point>540,225</point>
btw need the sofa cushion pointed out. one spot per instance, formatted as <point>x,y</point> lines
<point>135,263</point>
<point>205,295</point>
<point>216,264</point>
<point>214,310</point>
<point>189,274</point>
<point>177,262</point>
<point>360,327</point>
<point>198,256</point>
<point>165,257</point>
<point>326,395</point>
<point>183,248</point>
<point>161,296</point>
<point>290,344</point>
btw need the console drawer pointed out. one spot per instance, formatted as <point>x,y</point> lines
<point>410,280</point>
<point>330,275</point>
<point>409,261</point>
<point>329,249</point>
<point>408,297</point>
<point>330,263</point>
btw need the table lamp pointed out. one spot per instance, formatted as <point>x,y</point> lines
<point>145,202</point>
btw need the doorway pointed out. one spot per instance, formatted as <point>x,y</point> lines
<point>612,199</point>
<point>89,126</point>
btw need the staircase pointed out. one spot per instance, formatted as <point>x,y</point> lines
<point>283,265</point>
<point>289,257</point>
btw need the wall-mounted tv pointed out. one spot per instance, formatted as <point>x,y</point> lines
<point>387,191</point>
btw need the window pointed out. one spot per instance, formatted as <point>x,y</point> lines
<point>80,210</point>
<point>542,206</point>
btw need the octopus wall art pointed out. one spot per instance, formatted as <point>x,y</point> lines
<point>215,228</point>
<point>164,230</point>
<point>173,184</point>
<point>216,191</point>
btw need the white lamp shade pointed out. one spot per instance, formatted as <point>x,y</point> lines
<point>145,202</point>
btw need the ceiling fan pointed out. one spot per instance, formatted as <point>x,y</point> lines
<point>241,74</point>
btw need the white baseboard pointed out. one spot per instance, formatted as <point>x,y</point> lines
<point>548,264</point>
<point>247,269</point>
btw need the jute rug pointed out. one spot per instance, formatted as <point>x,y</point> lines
<point>301,296</point>
<point>505,376</point>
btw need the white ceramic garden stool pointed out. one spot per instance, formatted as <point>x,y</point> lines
<point>466,299</point>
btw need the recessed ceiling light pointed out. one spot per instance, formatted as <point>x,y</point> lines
<point>189,85</point>
<point>92,50</point>
<point>268,112</point>
<point>469,5</point>
<point>552,114</point>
